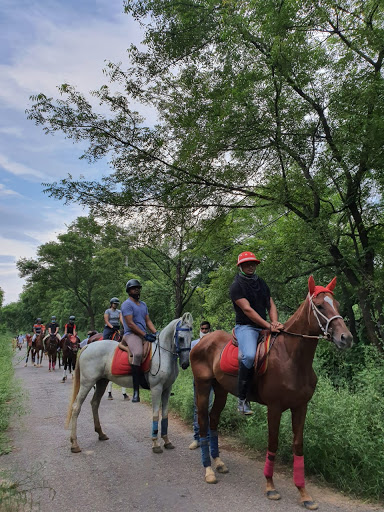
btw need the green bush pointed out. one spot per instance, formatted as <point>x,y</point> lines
<point>8,390</point>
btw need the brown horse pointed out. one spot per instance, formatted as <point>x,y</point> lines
<point>51,346</point>
<point>97,336</point>
<point>38,350</point>
<point>289,382</point>
<point>70,347</point>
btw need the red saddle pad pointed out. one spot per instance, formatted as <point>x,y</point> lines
<point>121,366</point>
<point>229,360</point>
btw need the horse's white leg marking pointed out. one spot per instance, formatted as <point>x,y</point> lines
<point>210,477</point>
<point>164,417</point>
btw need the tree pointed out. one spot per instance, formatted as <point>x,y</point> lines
<point>262,104</point>
<point>78,263</point>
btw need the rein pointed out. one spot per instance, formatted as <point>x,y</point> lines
<point>326,335</point>
<point>177,345</point>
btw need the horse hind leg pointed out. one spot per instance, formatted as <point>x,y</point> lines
<point>76,408</point>
<point>101,386</point>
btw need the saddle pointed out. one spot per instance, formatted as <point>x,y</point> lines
<point>229,359</point>
<point>120,364</point>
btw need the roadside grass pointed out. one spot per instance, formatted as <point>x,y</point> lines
<point>14,495</point>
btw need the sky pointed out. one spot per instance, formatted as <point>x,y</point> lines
<point>44,43</point>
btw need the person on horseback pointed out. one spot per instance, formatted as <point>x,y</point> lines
<point>70,328</point>
<point>113,319</point>
<point>136,321</point>
<point>251,300</point>
<point>53,329</point>
<point>37,329</point>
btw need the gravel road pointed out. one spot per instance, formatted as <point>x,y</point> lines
<point>122,474</point>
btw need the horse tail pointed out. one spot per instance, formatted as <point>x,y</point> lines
<point>75,391</point>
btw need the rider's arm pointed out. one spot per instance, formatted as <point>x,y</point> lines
<point>134,328</point>
<point>150,325</point>
<point>274,316</point>
<point>106,320</point>
<point>246,308</point>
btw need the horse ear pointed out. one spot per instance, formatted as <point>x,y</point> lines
<point>332,284</point>
<point>311,285</point>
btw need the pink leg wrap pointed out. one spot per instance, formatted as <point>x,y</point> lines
<point>269,463</point>
<point>298,470</point>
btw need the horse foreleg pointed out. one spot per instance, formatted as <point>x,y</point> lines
<point>214,418</point>
<point>203,389</point>
<point>156,393</point>
<point>298,420</point>
<point>274,417</point>
<point>164,418</point>
<point>101,386</point>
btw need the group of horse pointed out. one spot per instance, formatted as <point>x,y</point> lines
<point>63,351</point>
<point>288,383</point>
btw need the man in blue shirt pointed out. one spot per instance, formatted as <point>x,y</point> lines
<point>136,321</point>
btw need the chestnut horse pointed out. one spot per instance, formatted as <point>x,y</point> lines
<point>38,350</point>
<point>51,346</point>
<point>288,383</point>
<point>70,347</point>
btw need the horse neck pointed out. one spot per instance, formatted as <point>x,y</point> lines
<point>167,335</point>
<point>299,323</point>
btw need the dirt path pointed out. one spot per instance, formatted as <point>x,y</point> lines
<point>123,474</point>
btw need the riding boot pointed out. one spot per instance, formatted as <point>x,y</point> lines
<point>244,378</point>
<point>136,382</point>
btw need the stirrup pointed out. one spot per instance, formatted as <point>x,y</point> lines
<point>244,408</point>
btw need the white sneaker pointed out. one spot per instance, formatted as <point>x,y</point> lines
<point>195,444</point>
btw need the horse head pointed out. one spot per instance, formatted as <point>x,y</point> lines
<point>326,315</point>
<point>183,338</point>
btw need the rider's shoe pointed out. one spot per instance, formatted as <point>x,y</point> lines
<point>110,397</point>
<point>195,444</point>
<point>244,408</point>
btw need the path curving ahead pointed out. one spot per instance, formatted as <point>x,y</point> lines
<point>123,474</point>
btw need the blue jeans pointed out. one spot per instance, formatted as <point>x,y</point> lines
<point>247,337</point>
<point>196,428</point>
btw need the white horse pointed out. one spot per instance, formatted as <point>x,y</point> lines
<point>93,367</point>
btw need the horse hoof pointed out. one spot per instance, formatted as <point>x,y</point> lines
<point>25,365</point>
<point>168,446</point>
<point>103,437</point>
<point>157,449</point>
<point>310,505</point>
<point>75,449</point>
<point>211,479</point>
<point>222,468</point>
<point>273,495</point>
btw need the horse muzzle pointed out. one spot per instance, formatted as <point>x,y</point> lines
<point>345,340</point>
<point>184,365</point>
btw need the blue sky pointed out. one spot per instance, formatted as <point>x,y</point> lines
<point>42,44</point>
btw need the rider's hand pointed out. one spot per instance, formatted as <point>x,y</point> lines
<point>276,326</point>
<point>150,337</point>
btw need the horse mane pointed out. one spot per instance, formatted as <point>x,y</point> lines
<point>297,314</point>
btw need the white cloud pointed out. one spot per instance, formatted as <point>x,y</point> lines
<point>4,191</point>
<point>19,169</point>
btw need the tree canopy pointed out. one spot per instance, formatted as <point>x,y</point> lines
<point>262,105</point>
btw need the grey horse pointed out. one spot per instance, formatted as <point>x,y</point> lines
<point>93,368</point>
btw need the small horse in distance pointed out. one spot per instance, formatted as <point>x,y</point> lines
<point>70,348</point>
<point>288,383</point>
<point>51,345</point>
<point>94,367</point>
<point>38,350</point>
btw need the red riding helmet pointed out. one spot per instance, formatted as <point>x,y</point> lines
<point>247,256</point>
